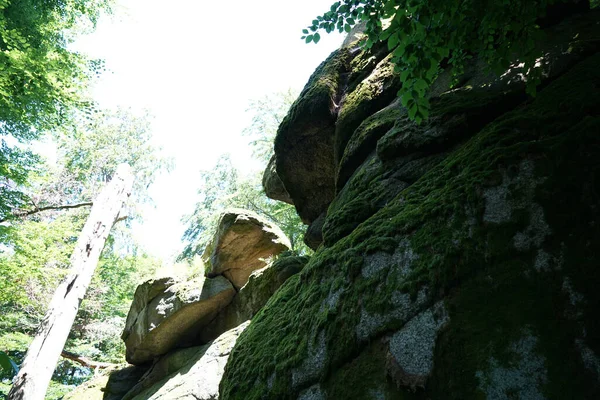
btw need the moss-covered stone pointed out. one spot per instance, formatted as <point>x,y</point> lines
<point>304,142</point>
<point>449,236</point>
<point>272,184</point>
<point>370,95</point>
<point>364,140</point>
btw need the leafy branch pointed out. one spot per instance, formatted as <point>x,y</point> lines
<point>425,36</point>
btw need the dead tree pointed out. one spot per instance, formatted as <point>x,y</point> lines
<point>40,361</point>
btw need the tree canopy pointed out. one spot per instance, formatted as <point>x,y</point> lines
<point>43,84</point>
<point>425,36</point>
<point>42,81</point>
<point>37,240</point>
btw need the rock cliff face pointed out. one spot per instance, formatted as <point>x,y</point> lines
<point>179,333</point>
<point>458,258</point>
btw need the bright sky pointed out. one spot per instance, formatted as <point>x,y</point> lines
<point>196,65</point>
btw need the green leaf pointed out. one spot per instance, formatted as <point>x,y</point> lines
<point>405,97</point>
<point>400,50</point>
<point>420,85</point>
<point>384,35</point>
<point>316,37</point>
<point>412,112</point>
<point>8,364</point>
<point>347,28</point>
<point>404,75</point>
<point>309,38</point>
<point>350,21</point>
<point>393,41</point>
<point>305,31</point>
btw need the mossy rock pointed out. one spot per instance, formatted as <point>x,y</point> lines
<point>503,232</point>
<point>304,141</point>
<point>304,145</point>
<point>371,95</point>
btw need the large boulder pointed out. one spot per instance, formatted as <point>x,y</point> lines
<point>166,314</point>
<point>305,141</point>
<point>242,244</point>
<point>460,255</point>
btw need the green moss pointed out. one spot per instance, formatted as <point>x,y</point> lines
<point>490,313</point>
<point>315,100</point>
<point>370,96</point>
<point>455,117</point>
<point>458,257</point>
<point>366,377</point>
<point>364,139</point>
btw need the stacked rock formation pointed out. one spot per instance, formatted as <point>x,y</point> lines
<point>456,258</point>
<point>179,334</point>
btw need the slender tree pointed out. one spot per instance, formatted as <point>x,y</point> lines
<point>36,371</point>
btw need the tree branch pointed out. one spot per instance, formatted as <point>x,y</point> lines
<point>22,213</point>
<point>84,361</point>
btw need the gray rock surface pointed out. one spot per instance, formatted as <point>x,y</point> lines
<point>160,320</point>
<point>197,378</point>
<point>314,233</point>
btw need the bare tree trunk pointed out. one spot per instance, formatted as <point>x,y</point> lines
<point>43,353</point>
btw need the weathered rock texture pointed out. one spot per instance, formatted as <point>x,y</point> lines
<point>160,313</point>
<point>242,243</point>
<point>192,373</point>
<point>166,314</point>
<point>460,256</point>
<point>273,185</point>
<point>253,296</point>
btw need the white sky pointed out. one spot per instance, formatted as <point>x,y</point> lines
<point>196,65</point>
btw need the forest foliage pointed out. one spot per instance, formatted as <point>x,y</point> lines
<point>35,249</point>
<point>43,84</point>
<point>427,36</point>
<point>224,186</point>
<point>45,103</point>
